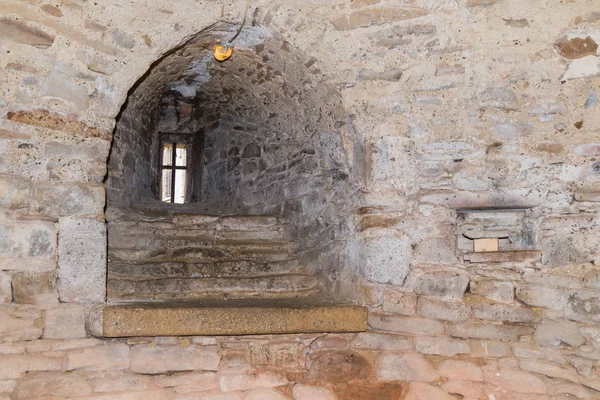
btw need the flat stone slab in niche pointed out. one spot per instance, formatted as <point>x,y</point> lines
<point>153,320</point>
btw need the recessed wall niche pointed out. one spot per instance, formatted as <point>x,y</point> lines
<point>483,232</point>
<point>257,205</point>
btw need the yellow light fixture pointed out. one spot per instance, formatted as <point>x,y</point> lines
<point>222,52</point>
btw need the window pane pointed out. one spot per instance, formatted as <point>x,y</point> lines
<point>165,186</point>
<point>167,155</point>
<point>180,159</point>
<point>180,186</point>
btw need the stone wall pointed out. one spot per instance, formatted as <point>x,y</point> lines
<point>461,104</point>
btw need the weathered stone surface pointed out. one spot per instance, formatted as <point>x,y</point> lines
<point>423,391</point>
<point>376,16</point>
<point>461,370</point>
<point>388,260</point>
<point>173,321</point>
<point>157,359</point>
<point>111,356</point>
<point>443,310</point>
<point>380,341</point>
<point>229,383</point>
<point>592,279</point>
<point>489,331</point>
<point>49,384</point>
<point>121,381</point>
<point>338,366</point>
<point>5,288</point>
<point>576,47</point>
<point>70,200</point>
<point>495,290</point>
<point>592,334</point>
<point>502,312</point>
<point>20,322</point>
<point>122,39</point>
<point>81,260</point>
<point>27,240</point>
<point>44,119</point>
<point>14,366</point>
<point>406,325</point>
<point>438,250</point>
<point>583,306</point>
<point>409,367</point>
<point>264,394</point>
<point>516,381</point>
<point>59,85</point>
<point>570,389</point>
<point>397,302</point>
<point>446,285</point>
<point>441,346</point>
<point>584,67</point>
<point>305,392</point>
<point>528,350</point>
<point>65,322</point>
<point>20,32</point>
<point>98,63</point>
<point>550,369</point>
<point>540,296</point>
<point>35,288</point>
<point>554,333</point>
<point>467,389</point>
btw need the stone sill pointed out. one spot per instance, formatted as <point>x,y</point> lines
<point>503,256</point>
<point>188,320</point>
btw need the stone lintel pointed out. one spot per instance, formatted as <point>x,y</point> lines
<point>152,320</point>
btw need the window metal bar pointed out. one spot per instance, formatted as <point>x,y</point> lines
<point>173,162</point>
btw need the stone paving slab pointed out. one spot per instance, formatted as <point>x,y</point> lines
<point>152,320</point>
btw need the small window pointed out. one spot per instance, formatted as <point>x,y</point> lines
<point>174,173</point>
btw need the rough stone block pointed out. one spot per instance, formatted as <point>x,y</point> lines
<point>20,322</point>
<point>442,346</point>
<point>438,250</point>
<point>52,384</point>
<point>549,369</point>
<point>18,31</point>
<point>583,306</point>
<point>397,302</point>
<point>504,312</point>
<point>467,389</point>
<point>443,284</point>
<point>489,331</point>
<point>553,333</point>
<point>338,367</point>
<point>305,392</point>
<point>269,394</point>
<point>407,325</point>
<point>540,296</point>
<point>495,290</point>
<point>516,380</point>
<point>111,356</point>
<point>388,259</point>
<point>156,360</point>
<point>489,349</point>
<point>15,192</point>
<point>266,379</point>
<point>70,200</point>
<point>381,341</point>
<point>65,322</point>
<point>409,367</point>
<point>530,350</point>
<point>27,240</point>
<point>14,366</point>
<point>82,260</point>
<point>554,280</point>
<point>592,334</point>
<point>5,288</point>
<point>461,370</point>
<point>424,391</point>
<point>35,288</point>
<point>447,311</point>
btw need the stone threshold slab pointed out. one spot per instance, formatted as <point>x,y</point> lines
<point>153,320</point>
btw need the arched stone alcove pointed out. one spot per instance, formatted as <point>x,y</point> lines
<point>273,173</point>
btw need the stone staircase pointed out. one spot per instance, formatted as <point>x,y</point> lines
<point>199,257</point>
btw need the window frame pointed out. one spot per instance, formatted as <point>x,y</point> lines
<point>194,147</point>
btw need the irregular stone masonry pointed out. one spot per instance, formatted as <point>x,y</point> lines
<point>459,104</point>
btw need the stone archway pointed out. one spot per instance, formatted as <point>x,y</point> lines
<point>277,173</point>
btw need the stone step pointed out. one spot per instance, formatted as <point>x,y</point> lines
<point>182,320</point>
<point>201,288</point>
<point>223,269</point>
